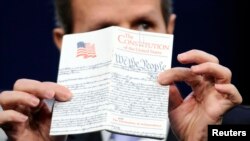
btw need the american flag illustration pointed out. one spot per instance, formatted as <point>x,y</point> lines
<point>85,50</point>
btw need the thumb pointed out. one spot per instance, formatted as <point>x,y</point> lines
<point>175,98</point>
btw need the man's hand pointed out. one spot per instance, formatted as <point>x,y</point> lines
<point>211,97</point>
<point>25,115</point>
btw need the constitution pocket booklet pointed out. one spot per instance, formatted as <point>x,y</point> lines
<point>112,74</point>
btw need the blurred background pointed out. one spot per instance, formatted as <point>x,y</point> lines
<point>216,26</point>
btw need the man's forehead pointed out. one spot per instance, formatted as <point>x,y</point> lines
<point>115,2</point>
<point>113,7</point>
<point>86,12</point>
<point>125,5</point>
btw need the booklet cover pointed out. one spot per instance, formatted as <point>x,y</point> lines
<point>112,74</point>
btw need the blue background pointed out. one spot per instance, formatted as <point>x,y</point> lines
<point>216,26</point>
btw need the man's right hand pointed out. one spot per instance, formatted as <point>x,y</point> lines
<point>25,115</point>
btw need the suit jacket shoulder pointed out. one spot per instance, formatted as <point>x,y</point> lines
<point>238,115</point>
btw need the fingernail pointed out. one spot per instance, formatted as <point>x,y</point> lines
<point>68,95</point>
<point>181,56</point>
<point>158,76</point>
<point>23,118</point>
<point>50,94</point>
<point>217,86</point>
<point>161,79</point>
<point>35,101</point>
<point>194,68</point>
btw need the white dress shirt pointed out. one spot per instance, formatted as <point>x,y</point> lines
<point>106,136</point>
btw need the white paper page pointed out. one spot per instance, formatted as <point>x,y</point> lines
<point>140,104</point>
<point>123,96</point>
<point>84,71</point>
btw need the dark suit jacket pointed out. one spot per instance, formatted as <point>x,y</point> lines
<point>238,115</point>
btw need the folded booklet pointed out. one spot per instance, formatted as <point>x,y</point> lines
<point>112,74</point>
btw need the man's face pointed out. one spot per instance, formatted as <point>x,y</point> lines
<point>91,15</point>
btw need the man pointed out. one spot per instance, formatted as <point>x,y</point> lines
<point>26,116</point>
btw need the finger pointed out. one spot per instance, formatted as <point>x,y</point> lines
<point>196,56</point>
<point>179,74</point>
<point>175,98</point>
<point>232,92</point>
<point>12,98</point>
<point>34,87</point>
<point>11,116</point>
<point>220,73</point>
<point>61,92</point>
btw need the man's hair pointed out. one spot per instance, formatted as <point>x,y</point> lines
<point>64,13</point>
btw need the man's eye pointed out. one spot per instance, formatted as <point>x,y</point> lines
<point>144,26</point>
